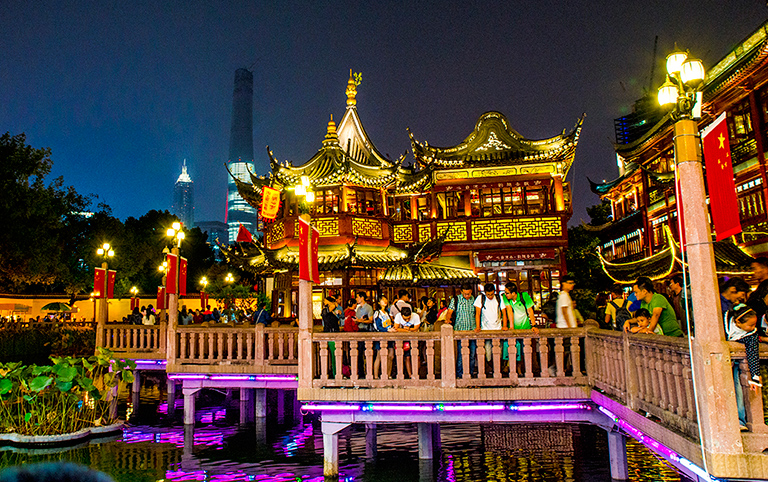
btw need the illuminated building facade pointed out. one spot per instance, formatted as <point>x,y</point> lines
<point>493,208</point>
<point>643,236</point>
<point>184,197</point>
<point>241,154</point>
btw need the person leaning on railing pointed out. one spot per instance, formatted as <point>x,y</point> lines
<point>407,321</point>
<point>461,314</point>
<point>383,323</point>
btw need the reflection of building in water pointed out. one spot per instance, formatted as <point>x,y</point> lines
<point>145,458</point>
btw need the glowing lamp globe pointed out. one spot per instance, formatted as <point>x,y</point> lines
<point>301,190</point>
<point>692,72</point>
<point>667,93</point>
<point>176,226</point>
<point>180,235</point>
<point>170,233</point>
<point>310,196</point>
<point>675,61</point>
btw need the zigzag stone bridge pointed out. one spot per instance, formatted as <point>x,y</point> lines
<point>631,385</point>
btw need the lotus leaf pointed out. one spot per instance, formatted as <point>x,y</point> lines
<point>40,383</point>
<point>39,370</point>
<point>127,377</point>
<point>5,386</point>
<point>64,386</point>
<point>66,373</point>
<point>27,417</point>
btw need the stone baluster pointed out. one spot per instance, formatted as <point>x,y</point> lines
<point>465,359</point>
<point>528,355</point>
<point>576,357</point>
<point>230,345</point>
<point>369,358</point>
<point>249,346</point>
<point>183,345</point>
<point>259,348</point>
<point>400,360</point>
<point>544,356</point>
<point>211,356</point>
<point>430,359</point>
<point>337,353</point>
<point>324,361</point>
<point>496,358</point>
<point>560,356</point>
<point>280,345</point>
<point>353,362</point>
<point>481,375</point>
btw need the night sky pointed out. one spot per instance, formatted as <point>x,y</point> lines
<point>124,91</point>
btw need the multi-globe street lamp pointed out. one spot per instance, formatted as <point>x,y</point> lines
<point>710,353</point>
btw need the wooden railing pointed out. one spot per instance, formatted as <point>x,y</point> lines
<point>126,338</point>
<point>228,344</point>
<point>551,357</point>
<point>645,372</point>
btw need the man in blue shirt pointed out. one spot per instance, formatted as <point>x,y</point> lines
<point>733,292</point>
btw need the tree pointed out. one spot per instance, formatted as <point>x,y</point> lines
<point>37,215</point>
<point>582,261</point>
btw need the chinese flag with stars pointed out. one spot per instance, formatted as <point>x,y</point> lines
<point>309,238</point>
<point>182,276</point>
<point>722,190</point>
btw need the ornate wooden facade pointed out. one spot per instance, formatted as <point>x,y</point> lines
<point>643,196</point>
<point>492,208</point>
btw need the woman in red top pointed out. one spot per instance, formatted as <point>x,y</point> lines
<point>349,316</point>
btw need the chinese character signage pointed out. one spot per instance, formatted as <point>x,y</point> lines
<point>270,202</point>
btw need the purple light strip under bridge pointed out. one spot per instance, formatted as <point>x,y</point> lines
<point>243,378</point>
<point>658,447</point>
<point>446,407</point>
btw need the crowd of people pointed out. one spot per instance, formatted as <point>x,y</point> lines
<point>148,315</point>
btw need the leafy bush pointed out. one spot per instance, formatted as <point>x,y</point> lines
<point>35,343</point>
<point>71,394</point>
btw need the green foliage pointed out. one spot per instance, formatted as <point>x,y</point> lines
<point>38,217</point>
<point>583,263</point>
<point>232,295</point>
<point>65,397</point>
<point>34,344</point>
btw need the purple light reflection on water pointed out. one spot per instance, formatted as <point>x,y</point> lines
<point>207,436</point>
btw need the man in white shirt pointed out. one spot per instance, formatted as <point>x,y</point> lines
<point>566,318</point>
<point>487,314</point>
<point>405,320</point>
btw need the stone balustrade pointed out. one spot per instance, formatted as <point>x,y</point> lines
<point>232,345</point>
<point>135,339</point>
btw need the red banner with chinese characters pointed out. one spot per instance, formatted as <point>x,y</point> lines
<point>171,279</point>
<point>270,202</point>
<point>203,300</point>
<point>309,238</point>
<point>111,283</point>
<point>182,276</point>
<point>99,275</point>
<point>161,297</point>
<point>723,202</point>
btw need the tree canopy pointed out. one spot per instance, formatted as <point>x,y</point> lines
<point>50,238</point>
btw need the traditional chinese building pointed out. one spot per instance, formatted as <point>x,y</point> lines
<point>643,236</point>
<point>491,209</point>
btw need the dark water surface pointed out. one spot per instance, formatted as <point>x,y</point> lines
<point>153,448</point>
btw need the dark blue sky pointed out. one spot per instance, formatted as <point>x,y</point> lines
<point>124,91</point>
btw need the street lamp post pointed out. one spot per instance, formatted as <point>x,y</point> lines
<point>105,251</point>
<point>710,354</point>
<point>176,233</point>
<point>204,284</point>
<point>305,299</point>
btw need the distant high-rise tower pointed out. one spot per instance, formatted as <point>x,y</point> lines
<point>184,197</point>
<point>241,154</point>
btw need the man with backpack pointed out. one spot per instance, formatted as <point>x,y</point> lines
<point>488,314</point>
<point>403,300</point>
<point>461,314</point>
<point>517,314</point>
<point>617,312</point>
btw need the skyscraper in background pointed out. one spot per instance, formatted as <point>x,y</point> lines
<point>184,197</point>
<point>241,154</point>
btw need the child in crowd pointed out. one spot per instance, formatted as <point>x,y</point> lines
<point>382,322</point>
<point>740,326</point>
<point>642,322</point>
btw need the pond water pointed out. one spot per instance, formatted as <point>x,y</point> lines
<point>157,447</point>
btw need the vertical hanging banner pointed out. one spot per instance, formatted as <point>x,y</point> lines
<point>182,276</point>
<point>171,279</point>
<point>99,276</point>
<point>723,202</point>
<point>203,300</point>
<point>160,302</point>
<point>309,238</point>
<point>111,283</point>
<point>270,202</point>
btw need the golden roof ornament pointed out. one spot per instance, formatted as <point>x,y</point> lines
<point>331,137</point>
<point>354,80</point>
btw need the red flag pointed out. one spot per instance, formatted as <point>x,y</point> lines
<point>171,279</point>
<point>203,300</point>
<point>98,283</point>
<point>111,283</point>
<point>243,236</point>
<point>722,190</point>
<point>134,303</point>
<point>182,276</point>
<point>309,238</point>
<point>160,302</point>
<point>270,202</point>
